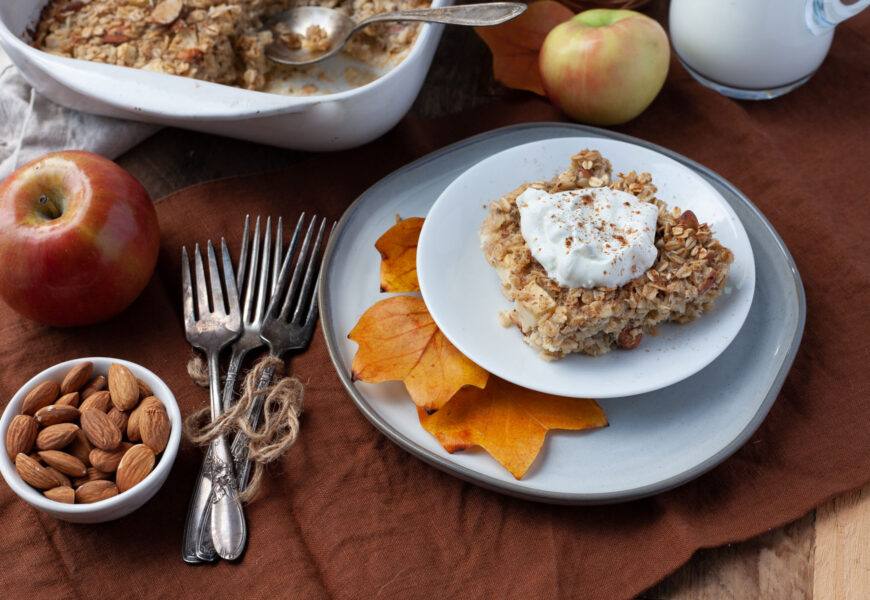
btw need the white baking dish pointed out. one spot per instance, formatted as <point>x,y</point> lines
<point>328,122</point>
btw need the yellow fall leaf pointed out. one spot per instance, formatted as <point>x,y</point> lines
<point>398,248</point>
<point>508,421</point>
<point>399,341</point>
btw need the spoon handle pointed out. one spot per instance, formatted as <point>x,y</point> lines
<point>477,15</point>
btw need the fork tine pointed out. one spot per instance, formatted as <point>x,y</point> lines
<point>232,291</point>
<point>297,271</point>
<point>311,317</point>
<point>263,290</point>
<point>214,275</point>
<point>252,274</point>
<point>243,256</point>
<point>285,268</point>
<point>279,247</point>
<point>310,275</point>
<point>187,291</point>
<point>201,285</point>
<point>294,240</point>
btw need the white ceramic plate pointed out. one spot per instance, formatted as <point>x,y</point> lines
<point>655,441</point>
<point>463,292</point>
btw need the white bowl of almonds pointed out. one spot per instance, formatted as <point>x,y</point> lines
<point>90,440</point>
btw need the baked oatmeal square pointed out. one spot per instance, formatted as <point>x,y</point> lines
<point>689,271</point>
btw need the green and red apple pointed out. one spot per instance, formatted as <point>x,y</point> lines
<point>78,239</point>
<point>604,67</point>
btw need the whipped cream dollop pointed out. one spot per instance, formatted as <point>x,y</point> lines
<point>595,237</point>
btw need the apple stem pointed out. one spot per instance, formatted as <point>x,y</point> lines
<point>50,208</point>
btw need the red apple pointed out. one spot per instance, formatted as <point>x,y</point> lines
<point>604,67</point>
<point>78,239</point>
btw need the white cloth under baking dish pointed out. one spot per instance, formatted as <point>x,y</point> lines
<point>31,125</point>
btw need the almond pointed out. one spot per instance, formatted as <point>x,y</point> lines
<point>21,435</point>
<point>80,447</point>
<point>98,400</point>
<point>116,37</point>
<point>94,491</point>
<point>167,11</point>
<point>134,467</point>
<point>99,429</point>
<point>77,377</point>
<point>55,437</point>
<point>56,413</point>
<point>93,474</point>
<point>34,473</point>
<point>62,493</point>
<point>63,462</point>
<point>107,460</point>
<point>688,219</point>
<point>123,387</point>
<point>192,55</point>
<point>144,389</point>
<point>42,395</point>
<point>97,384</point>
<point>708,283</point>
<point>59,477</point>
<point>629,338</point>
<point>71,399</point>
<point>119,418</point>
<point>133,433</point>
<point>154,427</point>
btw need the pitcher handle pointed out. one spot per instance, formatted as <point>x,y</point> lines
<point>824,15</point>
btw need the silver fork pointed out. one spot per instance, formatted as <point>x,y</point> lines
<point>282,331</point>
<point>211,328</point>
<point>197,545</point>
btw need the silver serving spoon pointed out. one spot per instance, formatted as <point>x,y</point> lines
<point>339,28</point>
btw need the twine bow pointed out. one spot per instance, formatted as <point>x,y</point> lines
<point>279,424</point>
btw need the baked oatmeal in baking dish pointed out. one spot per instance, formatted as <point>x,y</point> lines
<point>221,41</point>
<point>592,262</point>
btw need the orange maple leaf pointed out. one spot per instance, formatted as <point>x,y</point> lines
<point>508,421</point>
<point>398,248</point>
<point>515,44</point>
<point>399,341</point>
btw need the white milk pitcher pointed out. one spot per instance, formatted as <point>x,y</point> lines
<point>755,49</point>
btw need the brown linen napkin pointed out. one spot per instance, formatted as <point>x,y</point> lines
<point>347,514</point>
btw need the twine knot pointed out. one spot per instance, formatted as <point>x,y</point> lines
<point>279,424</point>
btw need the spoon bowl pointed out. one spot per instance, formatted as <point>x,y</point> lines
<point>308,34</point>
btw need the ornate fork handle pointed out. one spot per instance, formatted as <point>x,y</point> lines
<point>197,544</point>
<point>203,547</point>
<point>228,530</point>
<point>240,448</point>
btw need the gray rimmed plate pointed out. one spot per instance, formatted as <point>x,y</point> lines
<point>655,441</point>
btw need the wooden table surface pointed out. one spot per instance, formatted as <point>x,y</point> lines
<point>819,556</point>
